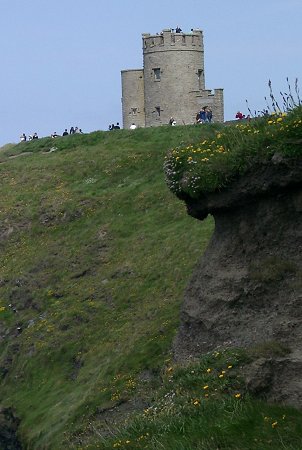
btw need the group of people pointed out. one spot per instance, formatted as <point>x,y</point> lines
<point>114,127</point>
<point>23,137</point>
<point>205,115</point>
<point>73,130</point>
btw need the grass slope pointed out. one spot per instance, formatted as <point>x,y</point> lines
<point>96,253</point>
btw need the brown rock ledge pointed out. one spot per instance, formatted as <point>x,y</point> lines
<point>247,288</point>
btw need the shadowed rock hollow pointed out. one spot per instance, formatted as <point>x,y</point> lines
<point>247,289</point>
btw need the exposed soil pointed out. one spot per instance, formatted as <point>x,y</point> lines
<point>247,288</point>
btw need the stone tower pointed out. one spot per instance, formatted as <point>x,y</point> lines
<point>171,84</point>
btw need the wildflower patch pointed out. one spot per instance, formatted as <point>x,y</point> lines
<point>211,165</point>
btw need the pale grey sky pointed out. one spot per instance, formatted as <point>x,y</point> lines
<point>61,59</point>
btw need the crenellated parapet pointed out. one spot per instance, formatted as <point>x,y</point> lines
<point>169,40</point>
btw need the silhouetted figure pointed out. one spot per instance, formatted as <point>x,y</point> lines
<point>71,131</point>
<point>203,115</point>
<point>35,136</point>
<point>65,133</point>
<point>178,29</point>
<point>117,126</point>
<point>54,135</point>
<point>23,137</point>
<point>209,115</point>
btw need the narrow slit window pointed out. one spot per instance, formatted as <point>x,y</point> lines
<point>157,109</point>
<point>156,74</point>
<point>200,78</point>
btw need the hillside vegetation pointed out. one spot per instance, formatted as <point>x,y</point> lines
<point>212,164</point>
<point>96,252</point>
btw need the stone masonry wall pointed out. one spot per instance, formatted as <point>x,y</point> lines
<point>133,102</point>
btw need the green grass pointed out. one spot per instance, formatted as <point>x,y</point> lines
<point>203,406</point>
<point>90,233</point>
<point>95,255</point>
<point>213,163</point>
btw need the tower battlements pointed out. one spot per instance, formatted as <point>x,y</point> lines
<point>168,40</point>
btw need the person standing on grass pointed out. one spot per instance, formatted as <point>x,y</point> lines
<point>209,115</point>
<point>203,115</point>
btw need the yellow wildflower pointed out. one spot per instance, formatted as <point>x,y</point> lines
<point>274,424</point>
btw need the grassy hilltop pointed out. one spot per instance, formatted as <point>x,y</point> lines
<point>96,252</point>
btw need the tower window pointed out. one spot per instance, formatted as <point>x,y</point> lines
<point>156,74</point>
<point>157,108</point>
<point>200,78</point>
<point>134,111</point>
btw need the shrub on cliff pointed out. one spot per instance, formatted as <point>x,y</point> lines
<point>212,164</point>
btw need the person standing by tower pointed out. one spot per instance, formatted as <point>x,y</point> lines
<point>209,115</point>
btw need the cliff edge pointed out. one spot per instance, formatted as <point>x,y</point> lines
<point>247,288</point>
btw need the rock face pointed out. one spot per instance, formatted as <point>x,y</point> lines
<point>247,288</point>
<point>9,425</point>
